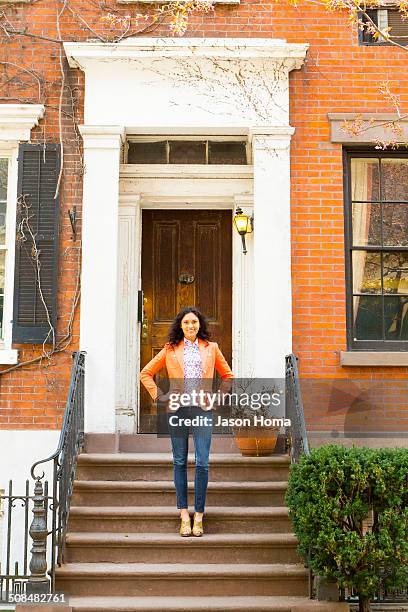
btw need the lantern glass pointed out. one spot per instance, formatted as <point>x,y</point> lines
<point>241,222</point>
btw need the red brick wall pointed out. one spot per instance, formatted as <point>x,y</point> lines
<point>338,76</point>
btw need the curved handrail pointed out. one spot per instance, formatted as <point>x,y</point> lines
<point>79,362</point>
<point>64,461</point>
<point>297,438</point>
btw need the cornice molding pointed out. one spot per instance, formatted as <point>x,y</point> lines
<point>81,54</point>
<point>270,138</point>
<point>102,136</point>
<point>17,120</point>
<point>373,128</point>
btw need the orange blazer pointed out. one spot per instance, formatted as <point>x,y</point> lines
<point>173,358</point>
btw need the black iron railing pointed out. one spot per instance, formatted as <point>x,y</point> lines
<point>386,595</point>
<point>50,507</point>
<point>296,436</point>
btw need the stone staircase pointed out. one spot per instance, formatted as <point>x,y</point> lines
<point>124,553</point>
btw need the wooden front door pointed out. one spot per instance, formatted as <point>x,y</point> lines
<point>186,261</point>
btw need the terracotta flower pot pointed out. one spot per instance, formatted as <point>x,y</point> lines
<point>256,441</point>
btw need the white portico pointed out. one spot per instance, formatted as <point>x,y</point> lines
<point>191,87</point>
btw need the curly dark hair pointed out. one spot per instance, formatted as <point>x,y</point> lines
<point>176,333</point>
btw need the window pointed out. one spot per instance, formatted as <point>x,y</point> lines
<point>162,151</point>
<point>390,20</point>
<point>377,250</point>
<point>8,187</point>
<point>4,164</point>
<point>17,121</point>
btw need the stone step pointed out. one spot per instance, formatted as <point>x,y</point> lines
<point>165,519</point>
<point>159,466</point>
<point>146,443</point>
<point>171,548</point>
<point>175,579</point>
<point>204,604</point>
<point>162,493</point>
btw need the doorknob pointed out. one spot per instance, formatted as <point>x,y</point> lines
<point>145,330</point>
<point>145,322</point>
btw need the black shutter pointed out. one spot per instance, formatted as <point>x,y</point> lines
<point>38,170</point>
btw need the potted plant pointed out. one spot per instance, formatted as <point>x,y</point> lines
<point>256,431</point>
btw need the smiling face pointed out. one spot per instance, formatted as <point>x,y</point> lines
<point>190,326</point>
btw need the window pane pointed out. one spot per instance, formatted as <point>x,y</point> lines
<point>366,36</point>
<point>364,179</point>
<point>227,153</point>
<point>366,272</point>
<point>395,224</point>
<point>187,152</point>
<point>368,318</point>
<point>396,318</point>
<point>3,178</point>
<point>147,152</point>
<point>2,261</point>
<point>394,179</point>
<point>395,272</point>
<point>366,224</point>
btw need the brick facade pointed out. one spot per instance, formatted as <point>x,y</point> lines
<point>338,76</point>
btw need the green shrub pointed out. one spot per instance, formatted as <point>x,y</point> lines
<point>330,494</point>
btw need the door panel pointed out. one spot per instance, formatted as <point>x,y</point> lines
<point>186,260</point>
<point>166,239</point>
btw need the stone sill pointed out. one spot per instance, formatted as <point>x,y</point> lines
<point>373,439</point>
<point>373,358</point>
<point>8,356</point>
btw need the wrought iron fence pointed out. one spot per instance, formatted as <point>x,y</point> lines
<point>386,595</point>
<point>296,437</point>
<point>387,592</point>
<point>48,506</point>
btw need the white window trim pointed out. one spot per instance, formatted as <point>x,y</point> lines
<point>16,122</point>
<point>7,354</point>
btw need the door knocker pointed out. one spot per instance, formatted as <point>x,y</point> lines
<point>186,279</point>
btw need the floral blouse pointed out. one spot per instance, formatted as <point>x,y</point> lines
<point>193,371</point>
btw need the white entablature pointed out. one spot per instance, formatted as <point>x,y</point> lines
<point>188,82</point>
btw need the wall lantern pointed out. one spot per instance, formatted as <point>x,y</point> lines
<point>244,224</point>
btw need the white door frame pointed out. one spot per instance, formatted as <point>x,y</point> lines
<point>201,188</point>
<point>181,86</point>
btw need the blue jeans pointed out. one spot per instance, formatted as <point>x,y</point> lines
<point>179,434</point>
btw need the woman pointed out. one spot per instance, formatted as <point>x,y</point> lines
<point>190,359</point>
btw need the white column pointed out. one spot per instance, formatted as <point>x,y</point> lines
<point>242,297</point>
<point>128,327</point>
<point>272,250</point>
<point>102,146</point>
